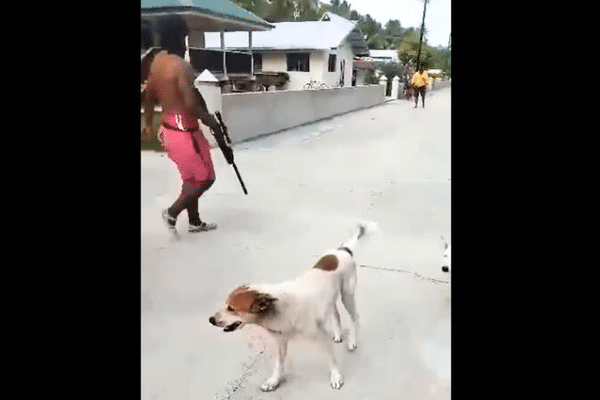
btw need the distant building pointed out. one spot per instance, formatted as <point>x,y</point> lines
<point>322,51</point>
<point>384,56</point>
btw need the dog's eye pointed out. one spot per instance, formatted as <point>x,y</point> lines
<point>229,308</point>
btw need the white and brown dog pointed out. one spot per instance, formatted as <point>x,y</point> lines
<point>300,307</point>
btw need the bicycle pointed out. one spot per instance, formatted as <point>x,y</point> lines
<point>315,85</point>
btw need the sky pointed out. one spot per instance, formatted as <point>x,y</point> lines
<point>410,14</point>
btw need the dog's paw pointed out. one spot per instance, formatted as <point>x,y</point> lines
<point>337,338</point>
<point>269,385</point>
<point>351,345</point>
<point>335,379</point>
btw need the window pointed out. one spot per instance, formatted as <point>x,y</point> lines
<point>332,59</point>
<point>146,33</point>
<point>298,62</point>
<point>257,61</point>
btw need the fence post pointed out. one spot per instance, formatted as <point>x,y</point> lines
<point>383,82</point>
<point>395,86</point>
<point>208,86</point>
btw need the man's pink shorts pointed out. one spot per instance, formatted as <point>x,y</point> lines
<point>177,136</point>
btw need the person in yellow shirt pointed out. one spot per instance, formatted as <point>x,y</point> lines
<point>419,81</point>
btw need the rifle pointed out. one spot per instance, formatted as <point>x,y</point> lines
<point>228,143</point>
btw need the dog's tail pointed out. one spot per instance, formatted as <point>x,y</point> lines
<point>364,228</point>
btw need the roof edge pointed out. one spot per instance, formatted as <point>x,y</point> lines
<point>187,9</point>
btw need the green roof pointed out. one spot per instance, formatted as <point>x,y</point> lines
<point>223,14</point>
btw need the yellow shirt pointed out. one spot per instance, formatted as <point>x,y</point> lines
<point>420,80</point>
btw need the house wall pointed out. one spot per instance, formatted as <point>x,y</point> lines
<point>253,114</point>
<point>344,52</point>
<point>276,61</point>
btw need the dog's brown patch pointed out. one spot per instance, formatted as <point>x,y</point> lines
<point>327,263</point>
<point>248,300</point>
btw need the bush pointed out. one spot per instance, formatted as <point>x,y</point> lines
<point>392,69</point>
<point>370,78</point>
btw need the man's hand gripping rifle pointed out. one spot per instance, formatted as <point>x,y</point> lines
<point>224,142</point>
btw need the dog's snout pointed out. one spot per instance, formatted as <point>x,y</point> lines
<point>212,320</point>
<point>445,268</point>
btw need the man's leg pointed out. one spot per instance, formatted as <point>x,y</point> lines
<point>192,208</point>
<point>195,223</point>
<point>188,199</point>
<point>193,213</point>
<point>423,96</point>
<point>205,173</point>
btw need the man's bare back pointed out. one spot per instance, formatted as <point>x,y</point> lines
<point>171,83</point>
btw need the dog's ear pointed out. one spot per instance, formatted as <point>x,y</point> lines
<point>262,303</point>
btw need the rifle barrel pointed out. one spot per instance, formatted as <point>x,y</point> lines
<point>240,178</point>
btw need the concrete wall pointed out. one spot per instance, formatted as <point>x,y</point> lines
<point>441,85</point>
<point>253,114</point>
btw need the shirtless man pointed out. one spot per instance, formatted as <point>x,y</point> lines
<point>170,82</point>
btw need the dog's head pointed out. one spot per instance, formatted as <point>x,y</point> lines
<point>447,258</point>
<point>243,306</point>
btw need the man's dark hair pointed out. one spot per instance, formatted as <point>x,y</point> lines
<point>172,30</point>
<point>146,62</point>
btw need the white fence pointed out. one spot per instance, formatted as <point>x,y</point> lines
<point>253,114</point>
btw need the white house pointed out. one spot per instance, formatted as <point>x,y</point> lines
<point>322,50</point>
<point>384,56</point>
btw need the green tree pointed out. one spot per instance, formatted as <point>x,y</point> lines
<point>408,48</point>
<point>394,29</point>
<point>343,9</point>
<point>370,28</point>
<point>283,10</point>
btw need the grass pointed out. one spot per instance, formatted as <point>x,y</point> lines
<point>153,143</point>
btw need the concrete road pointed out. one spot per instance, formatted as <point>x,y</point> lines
<point>307,188</point>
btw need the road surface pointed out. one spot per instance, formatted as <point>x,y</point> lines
<point>307,187</point>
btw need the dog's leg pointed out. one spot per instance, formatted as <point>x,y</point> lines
<point>272,383</point>
<point>348,289</point>
<point>335,378</point>
<point>337,326</point>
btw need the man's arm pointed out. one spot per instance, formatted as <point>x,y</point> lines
<point>148,108</point>
<point>194,101</point>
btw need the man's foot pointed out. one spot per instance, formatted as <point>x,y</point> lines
<point>169,220</point>
<point>202,227</point>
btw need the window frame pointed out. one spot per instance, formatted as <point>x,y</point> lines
<point>296,63</point>
<point>332,63</point>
